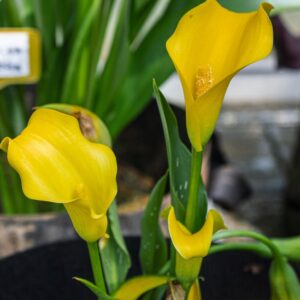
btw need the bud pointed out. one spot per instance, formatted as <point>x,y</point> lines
<point>90,124</point>
<point>192,247</point>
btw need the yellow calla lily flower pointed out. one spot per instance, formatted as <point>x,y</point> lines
<point>57,163</point>
<point>210,45</point>
<point>194,245</point>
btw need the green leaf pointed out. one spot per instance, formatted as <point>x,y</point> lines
<point>115,257</point>
<point>98,33</point>
<point>153,17</point>
<point>179,159</point>
<point>75,54</point>
<point>64,20</point>
<point>25,8</point>
<point>115,65</point>
<point>12,13</point>
<point>44,13</point>
<point>246,6</point>
<point>153,251</point>
<point>91,286</point>
<point>139,13</point>
<point>16,108</point>
<point>140,4</point>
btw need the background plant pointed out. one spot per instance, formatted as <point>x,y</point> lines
<point>99,54</point>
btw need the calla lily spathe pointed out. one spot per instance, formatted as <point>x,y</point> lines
<point>191,248</point>
<point>57,163</point>
<point>193,245</point>
<point>210,45</point>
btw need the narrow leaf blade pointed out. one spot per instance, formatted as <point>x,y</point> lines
<point>92,287</point>
<point>115,257</point>
<point>152,56</point>
<point>153,251</point>
<point>179,159</point>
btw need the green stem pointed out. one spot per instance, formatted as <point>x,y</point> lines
<point>195,180</point>
<point>260,249</point>
<point>253,235</point>
<point>96,265</point>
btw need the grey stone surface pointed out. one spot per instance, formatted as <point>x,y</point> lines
<point>254,85</point>
<point>260,142</point>
<point>19,233</point>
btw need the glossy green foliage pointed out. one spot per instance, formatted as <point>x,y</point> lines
<point>179,158</point>
<point>153,251</point>
<point>114,254</point>
<point>92,287</point>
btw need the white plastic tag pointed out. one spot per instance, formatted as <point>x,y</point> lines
<point>14,54</point>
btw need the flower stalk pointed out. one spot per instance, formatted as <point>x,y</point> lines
<point>187,270</point>
<point>249,234</point>
<point>194,188</point>
<point>96,265</point>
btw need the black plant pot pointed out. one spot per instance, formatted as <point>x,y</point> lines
<point>45,273</point>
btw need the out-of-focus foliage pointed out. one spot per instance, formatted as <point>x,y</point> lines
<point>99,54</point>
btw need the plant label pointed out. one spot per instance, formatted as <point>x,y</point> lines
<point>19,56</point>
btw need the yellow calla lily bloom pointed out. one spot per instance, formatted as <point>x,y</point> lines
<point>210,45</point>
<point>57,163</point>
<point>194,245</point>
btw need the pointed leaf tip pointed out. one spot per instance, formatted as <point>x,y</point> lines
<point>92,287</point>
<point>155,87</point>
